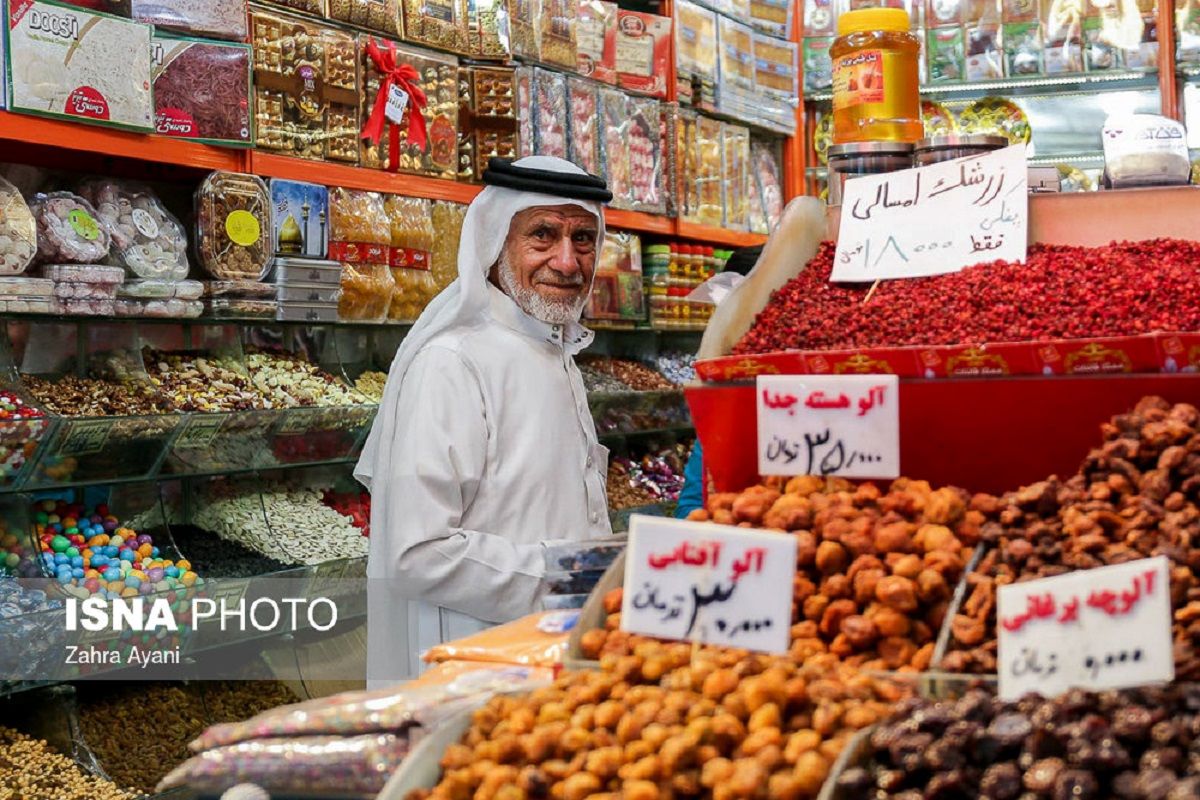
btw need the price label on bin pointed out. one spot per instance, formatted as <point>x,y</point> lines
<point>1103,628</point>
<point>714,584</point>
<point>847,425</point>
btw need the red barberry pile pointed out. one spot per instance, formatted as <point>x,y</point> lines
<point>355,505</point>
<point>1059,293</point>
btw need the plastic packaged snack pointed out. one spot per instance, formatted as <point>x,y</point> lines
<point>26,287</point>
<point>584,144</point>
<point>447,226</point>
<point>943,12</point>
<point>550,113</point>
<point>819,17</point>
<point>522,27</point>
<point>366,292</point>
<point>162,308</point>
<point>1101,54</point>
<point>947,55</point>
<point>89,67</point>
<point>614,153</point>
<point>645,156</point>
<point>156,289</point>
<point>736,142</point>
<point>695,42</point>
<point>202,90</point>
<point>306,88</point>
<point>538,640</point>
<point>436,23</point>
<point>147,240</point>
<point>818,65</point>
<point>18,230</point>
<point>233,224</point>
<point>248,290</point>
<point>556,33</point>
<point>66,290</point>
<point>643,52</point>
<point>437,77</point>
<point>215,19</point>
<point>83,307</point>
<point>1023,48</point>
<point>358,219</point>
<point>597,40</point>
<point>710,171</point>
<point>327,766</point>
<point>384,16</point>
<point>985,59</point>
<point>68,230</point>
<point>772,16</point>
<point>462,677</point>
<point>317,8</point>
<point>1145,150</point>
<point>736,57</point>
<point>84,273</point>
<point>523,77</point>
<point>411,223</point>
<point>300,222</point>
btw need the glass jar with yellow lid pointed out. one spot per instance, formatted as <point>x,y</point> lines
<point>876,86</point>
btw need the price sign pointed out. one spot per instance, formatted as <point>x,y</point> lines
<point>846,425</point>
<point>200,432</point>
<point>1103,628</point>
<point>84,437</point>
<point>935,219</point>
<point>714,584</point>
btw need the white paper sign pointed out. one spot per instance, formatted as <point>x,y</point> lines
<point>1103,628</point>
<point>397,102</point>
<point>714,584</point>
<point>846,425</point>
<point>935,219</point>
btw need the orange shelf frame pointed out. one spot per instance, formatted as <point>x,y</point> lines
<point>64,134</point>
<point>711,235</point>
<point>637,221</point>
<point>271,165</point>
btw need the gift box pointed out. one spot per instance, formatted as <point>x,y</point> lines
<point>643,52</point>
<point>79,64</point>
<point>696,54</point>
<point>213,19</point>
<point>306,88</point>
<point>202,90</point>
<point>423,137</point>
<point>300,219</point>
<point>437,23</point>
<point>597,40</point>
<point>487,115</point>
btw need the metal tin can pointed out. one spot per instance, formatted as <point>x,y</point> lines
<point>937,149</point>
<point>864,158</point>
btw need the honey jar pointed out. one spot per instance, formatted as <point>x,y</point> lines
<point>876,88</point>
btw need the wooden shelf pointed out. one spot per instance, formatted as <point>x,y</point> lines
<point>711,235</point>
<point>64,134</point>
<point>329,173</point>
<point>636,221</point>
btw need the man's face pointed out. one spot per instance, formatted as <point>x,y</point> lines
<point>548,260</point>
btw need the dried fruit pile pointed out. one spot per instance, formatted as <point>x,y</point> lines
<point>1135,496</point>
<point>1132,745</point>
<point>875,570</point>
<point>724,723</point>
<point>1059,293</point>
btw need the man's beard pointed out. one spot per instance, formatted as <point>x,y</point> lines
<point>555,312</point>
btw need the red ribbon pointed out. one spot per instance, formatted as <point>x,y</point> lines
<point>403,76</point>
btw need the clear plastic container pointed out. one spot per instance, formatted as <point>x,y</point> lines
<point>160,290</point>
<point>233,224</point>
<point>366,292</point>
<point>84,273</point>
<point>586,555</point>
<point>147,240</point>
<point>875,77</point>
<point>234,307</point>
<point>65,290</point>
<point>162,308</point>
<point>85,307</point>
<point>26,287</point>
<point>68,230</point>
<point>18,231</point>
<point>241,289</point>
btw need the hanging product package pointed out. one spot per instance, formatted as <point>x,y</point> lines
<point>233,226</point>
<point>18,231</point>
<point>773,17</point>
<point>735,93</point>
<point>644,142</point>
<point>68,231</point>
<point>769,177</point>
<point>584,117</point>
<point>147,239</point>
<point>597,39</point>
<point>411,223</point>
<point>306,88</point>
<point>78,64</point>
<point>522,27</point>
<point>523,95</point>
<point>614,153</point>
<point>202,90</point>
<point>447,227</point>
<point>776,83</point>
<point>1145,150</point>
<point>550,113</point>
<point>214,19</point>
<point>409,109</point>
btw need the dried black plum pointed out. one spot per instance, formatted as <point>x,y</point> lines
<point>890,780</point>
<point>944,755</point>
<point>856,780</point>
<point>1076,784</point>
<point>952,785</point>
<point>1010,729</point>
<point>1042,776</point>
<point>1132,722</point>
<point>1167,732</point>
<point>934,719</point>
<point>1186,789</point>
<point>1162,758</point>
<point>1156,784</point>
<point>975,705</point>
<point>1001,782</point>
<point>908,751</point>
<point>1125,786</point>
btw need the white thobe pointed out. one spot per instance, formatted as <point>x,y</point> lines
<point>495,455</point>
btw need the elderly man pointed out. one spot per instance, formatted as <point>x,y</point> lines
<point>484,449</point>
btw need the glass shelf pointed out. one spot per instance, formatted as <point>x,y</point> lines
<point>1039,84</point>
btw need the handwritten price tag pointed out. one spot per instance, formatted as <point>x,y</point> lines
<point>714,584</point>
<point>846,425</point>
<point>935,219</point>
<point>1104,628</point>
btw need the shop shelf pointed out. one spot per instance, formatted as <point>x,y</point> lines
<point>80,450</point>
<point>271,165</point>
<point>619,518</point>
<point>706,233</point>
<point>95,141</point>
<point>1041,84</point>
<point>637,221</point>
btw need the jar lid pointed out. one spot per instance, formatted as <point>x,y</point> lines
<point>658,249</point>
<point>851,149</point>
<point>873,19</point>
<point>980,140</point>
